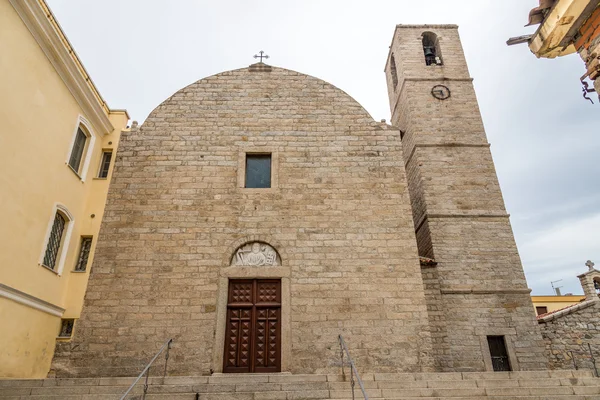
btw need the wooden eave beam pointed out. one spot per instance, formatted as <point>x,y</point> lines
<point>548,40</point>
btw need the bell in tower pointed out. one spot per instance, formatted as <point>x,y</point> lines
<point>430,56</point>
<point>430,48</point>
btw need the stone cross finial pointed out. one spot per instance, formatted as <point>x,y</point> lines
<point>261,56</point>
<point>590,265</point>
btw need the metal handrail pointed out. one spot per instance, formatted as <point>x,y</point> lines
<point>146,370</point>
<point>582,355</point>
<point>353,371</point>
<point>593,360</point>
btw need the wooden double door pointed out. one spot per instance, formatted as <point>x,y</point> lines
<point>253,332</point>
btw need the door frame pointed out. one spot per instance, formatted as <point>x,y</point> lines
<point>510,335</point>
<point>246,272</point>
<point>503,349</point>
<point>254,311</point>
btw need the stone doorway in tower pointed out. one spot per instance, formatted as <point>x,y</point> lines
<point>499,353</point>
<point>253,330</point>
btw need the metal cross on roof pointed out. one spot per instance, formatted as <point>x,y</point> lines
<point>261,56</point>
<point>590,265</point>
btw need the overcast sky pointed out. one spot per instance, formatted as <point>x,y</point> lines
<point>545,137</point>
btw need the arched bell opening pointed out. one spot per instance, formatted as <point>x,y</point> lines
<point>431,49</point>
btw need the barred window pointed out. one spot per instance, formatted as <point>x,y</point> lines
<point>105,164</point>
<point>77,151</point>
<point>84,254</point>
<point>66,328</point>
<point>499,353</point>
<point>54,241</point>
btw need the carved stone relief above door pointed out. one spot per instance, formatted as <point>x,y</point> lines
<point>255,254</point>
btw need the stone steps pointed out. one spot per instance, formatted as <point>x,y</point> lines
<point>291,396</point>
<point>536,385</point>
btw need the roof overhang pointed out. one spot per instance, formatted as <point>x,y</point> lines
<point>565,311</point>
<point>48,34</point>
<point>554,37</point>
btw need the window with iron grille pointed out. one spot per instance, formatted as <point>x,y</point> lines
<point>105,164</point>
<point>499,353</point>
<point>66,328</point>
<point>77,151</point>
<point>84,254</point>
<point>54,241</point>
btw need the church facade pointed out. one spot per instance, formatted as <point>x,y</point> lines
<point>259,213</point>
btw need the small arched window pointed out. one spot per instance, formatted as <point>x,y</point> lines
<point>393,71</point>
<point>431,49</point>
<point>81,148</point>
<point>597,285</point>
<point>57,239</point>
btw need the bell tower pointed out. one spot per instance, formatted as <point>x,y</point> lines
<point>477,291</point>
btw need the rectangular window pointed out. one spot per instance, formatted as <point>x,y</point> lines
<point>54,241</point>
<point>66,328</point>
<point>105,164</point>
<point>258,170</point>
<point>84,254</point>
<point>541,310</point>
<point>499,353</point>
<point>77,151</point>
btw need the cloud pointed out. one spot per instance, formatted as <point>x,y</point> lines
<point>560,252</point>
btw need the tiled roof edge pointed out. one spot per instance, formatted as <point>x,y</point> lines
<point>564,311</point>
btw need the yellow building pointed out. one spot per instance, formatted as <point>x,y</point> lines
<point>58,138</point>
<point>548,304</point>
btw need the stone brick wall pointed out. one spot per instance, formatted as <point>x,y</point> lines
<point>339,216</point>
<point>568,336</point>
<point>436,313</point>
<point>588,46</point>
<point>458,210</point>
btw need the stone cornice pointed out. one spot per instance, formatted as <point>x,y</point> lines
<point>426,217</point>
<point>482,290</point>
<point>590,272</point>
<point>427,26</point>
<point>470,215</point>
<point>41,23</point>
<point>448,144</point>
<point>30,301</point>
